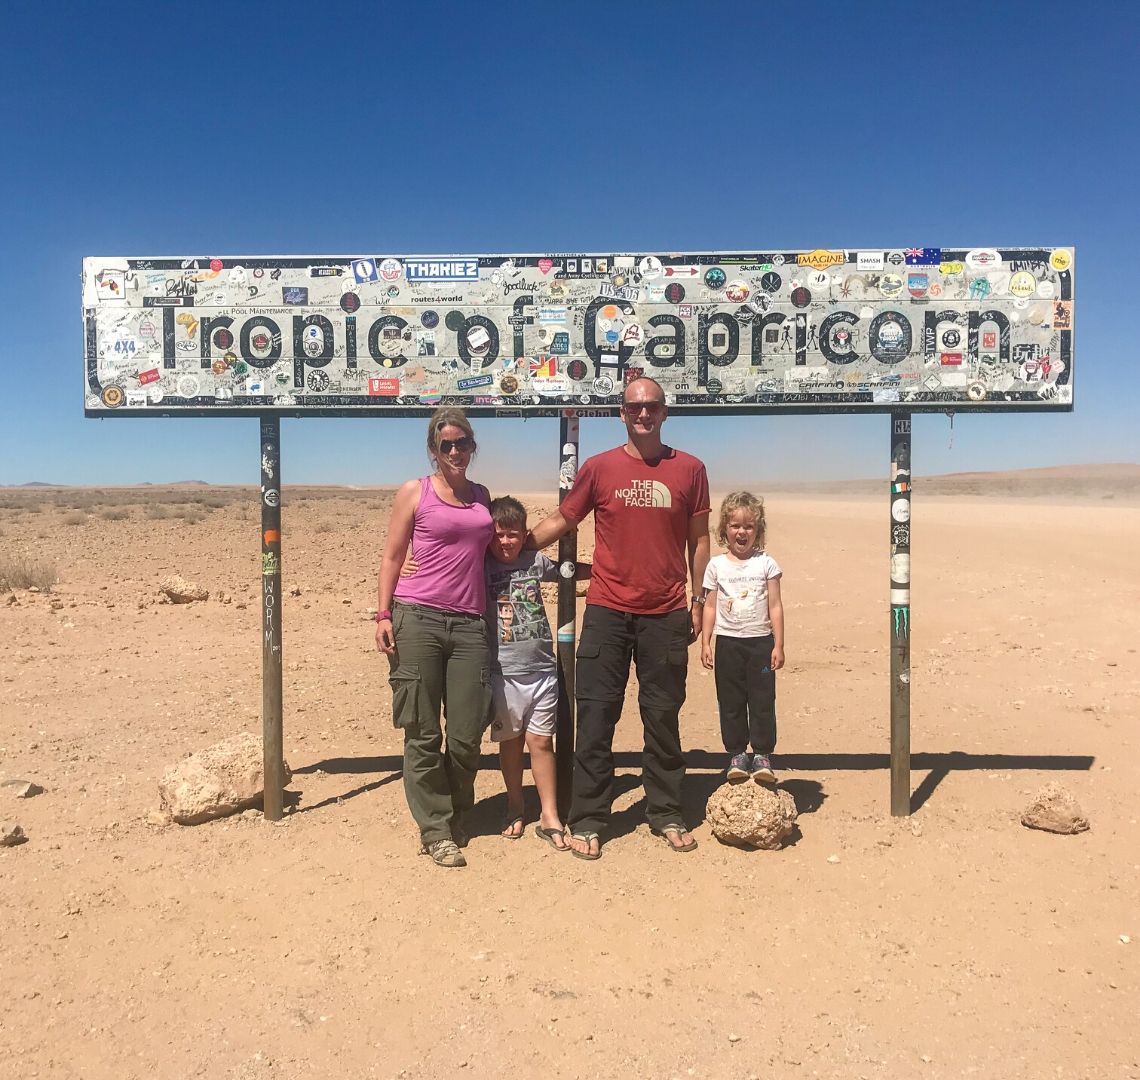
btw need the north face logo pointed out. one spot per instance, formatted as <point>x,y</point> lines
<point>645,493</point>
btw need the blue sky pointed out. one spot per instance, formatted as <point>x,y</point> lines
<point>288,128</point>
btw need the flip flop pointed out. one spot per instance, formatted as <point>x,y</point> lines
<point>585,837</point>
<point>680,830</point>
<point>510,823</point>
<point>549,834</point>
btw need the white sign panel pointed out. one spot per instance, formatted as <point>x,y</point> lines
<point>874,330</point>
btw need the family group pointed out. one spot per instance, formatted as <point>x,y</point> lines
<point>461,620</point>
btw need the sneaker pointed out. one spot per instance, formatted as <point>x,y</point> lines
<point>739,768</point>
<point>762,771</point>
<point>444,853</point>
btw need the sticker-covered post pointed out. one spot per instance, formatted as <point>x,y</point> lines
<point>271,727</point>
<point>567,607</point>
<point>900,614</point>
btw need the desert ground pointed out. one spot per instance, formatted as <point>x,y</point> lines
<point>951,943</point>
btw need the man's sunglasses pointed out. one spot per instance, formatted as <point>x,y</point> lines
<point>633,408</point>
<point>465,443</point>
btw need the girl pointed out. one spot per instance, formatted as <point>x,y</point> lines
<point>748,616</point>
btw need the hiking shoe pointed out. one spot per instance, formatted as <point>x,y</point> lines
<point>762,771</point>
<point>444,853</point>
<point>739,768</point>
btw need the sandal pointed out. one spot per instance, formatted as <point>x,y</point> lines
<point>444,853</point>
<point>586,838</point>
<point>549,834</point>
<point>510,823</point>
<point>679,830</point>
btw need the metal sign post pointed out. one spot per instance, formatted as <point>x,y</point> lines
<point>567,611</point>
<point>271,726</point>
<point>900,614</point>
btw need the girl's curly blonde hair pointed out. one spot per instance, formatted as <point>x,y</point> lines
<point>752,504</point>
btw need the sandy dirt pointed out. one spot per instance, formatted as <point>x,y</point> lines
<point>951,943</point>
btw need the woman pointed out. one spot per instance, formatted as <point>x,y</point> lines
<point>431,627</point>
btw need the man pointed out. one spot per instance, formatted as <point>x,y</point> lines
<point>651,509</point>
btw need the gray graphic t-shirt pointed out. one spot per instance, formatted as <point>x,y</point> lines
<point>521,642</point>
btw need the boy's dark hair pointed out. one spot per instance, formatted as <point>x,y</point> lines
<point>508,512</point>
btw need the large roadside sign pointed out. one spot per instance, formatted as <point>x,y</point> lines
<point>913,330</point>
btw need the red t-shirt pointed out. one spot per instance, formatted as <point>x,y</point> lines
<point>641,511</point>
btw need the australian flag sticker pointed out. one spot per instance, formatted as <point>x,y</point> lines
<point>923,256</point>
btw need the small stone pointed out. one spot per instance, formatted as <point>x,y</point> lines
<point>751,816</point>
<point>734,1038</point>
<point>833,858</point>
<point>159,818</point>
<point>180,591</point>
<point>1054,809</point>
<point>22,789</point>
<point>1124,939</point>
<point>11,834</point>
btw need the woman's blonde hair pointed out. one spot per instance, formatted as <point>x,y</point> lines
<point>447,416</point>
<point>752,504</point>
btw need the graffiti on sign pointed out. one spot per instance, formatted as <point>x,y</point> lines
<point>816,330</point>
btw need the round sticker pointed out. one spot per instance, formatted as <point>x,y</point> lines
<point>715,277</point>
<point>900,510</point>
<point>188,386</point>
<point>890,284</point>
<point>229,359</point>
<point>350,302</point>
<point>1060,260</point>
<point>674,293</point>
<point>577,369</point>
<point>771,282</point>
<point>147,330</point>
<point>900,568</point>
<point>713,386</point>
<point>801,297</point>
<point>113,396</point>
<point>454,320</point>
<point>819,280</point>
<point>737,292</point>
<point>508,384</point>
<point>429,319</point>
<point>260,341</point>
<point>1023,284</point>
<point>649,267</point>
<point>566,570</point>
<point>390,269</point>
<point>218,367</point>
<point>603,386</point>
<point>216,265</point>
<point>317,380</point>
<point>223,339</point>
<point>1046,290</point>
<point>951,338</point>
<point>975,391</point>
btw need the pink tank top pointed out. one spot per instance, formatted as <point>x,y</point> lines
<point>448,544</point>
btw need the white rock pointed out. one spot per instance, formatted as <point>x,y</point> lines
<point>22,789</point>
<point>751,815</point>
<point>180,591</point>
<point>222,779</point>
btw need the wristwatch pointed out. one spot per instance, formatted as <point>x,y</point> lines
<point>380,616</point>
<point>698,600</point>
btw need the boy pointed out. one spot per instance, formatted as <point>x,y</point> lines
<point>524,674</point>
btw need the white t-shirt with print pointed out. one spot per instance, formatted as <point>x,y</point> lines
<point>742,594</point>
